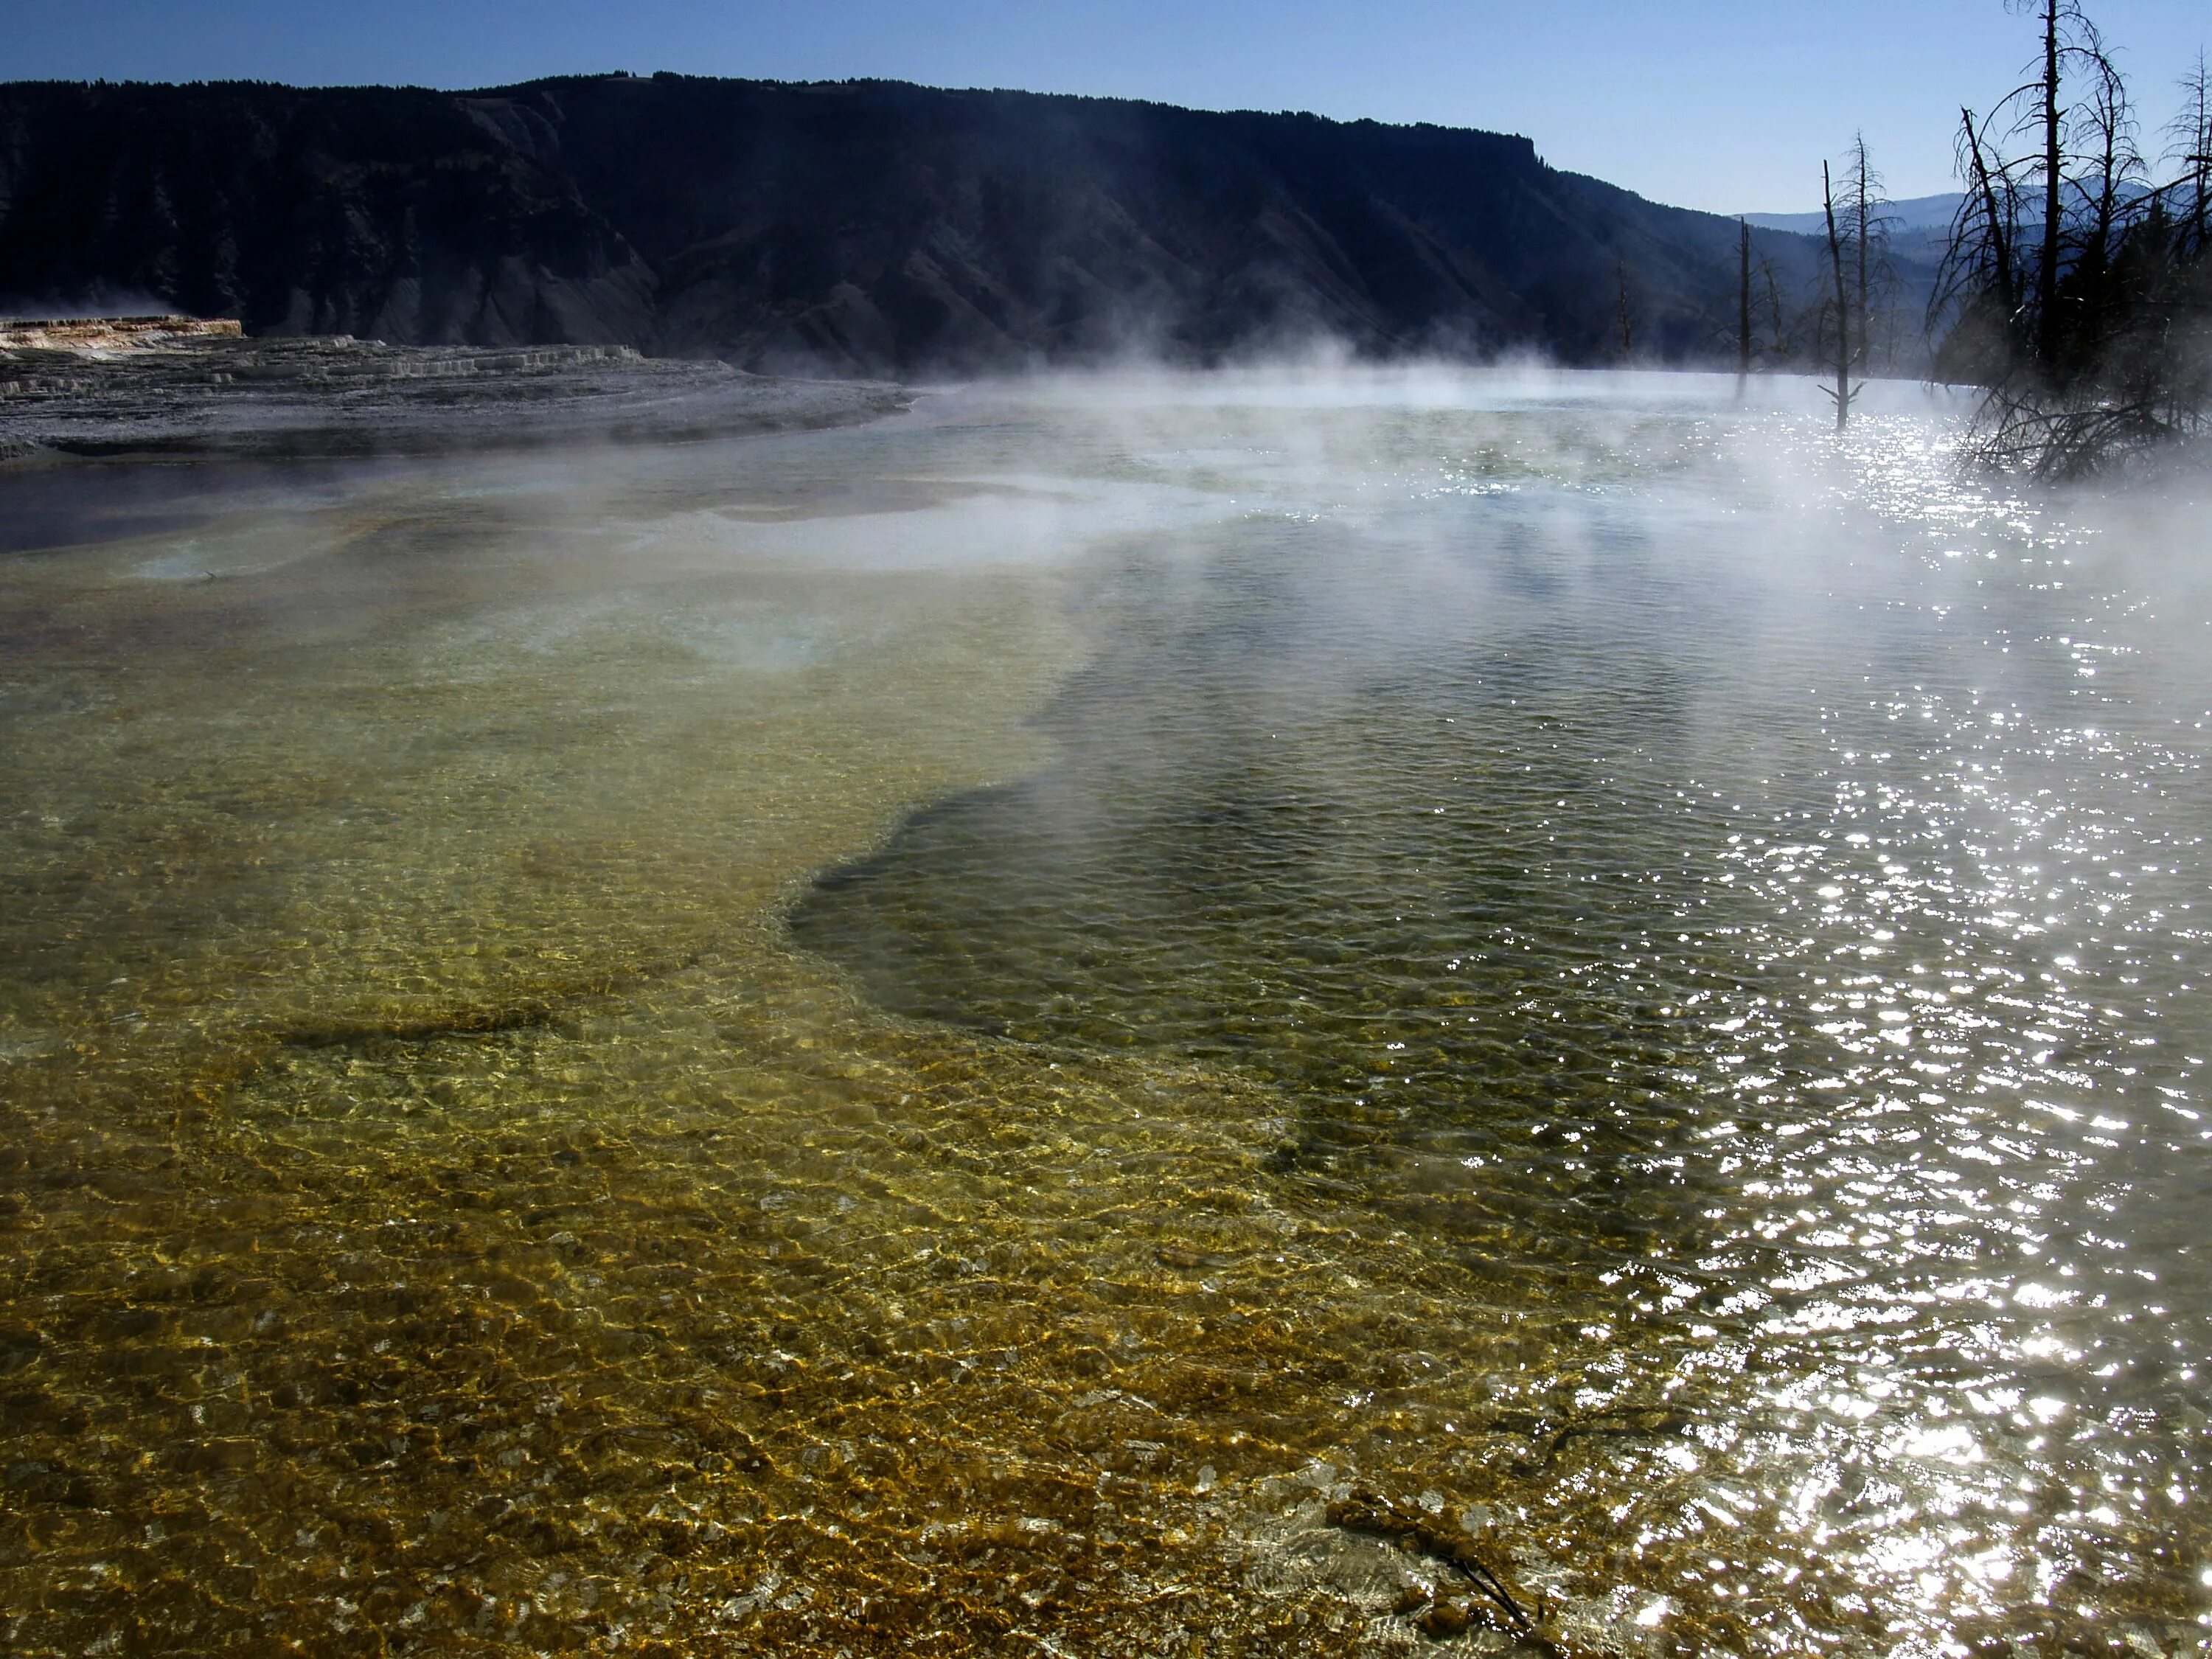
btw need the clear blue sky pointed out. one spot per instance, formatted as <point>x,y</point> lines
<point>1728,106</point>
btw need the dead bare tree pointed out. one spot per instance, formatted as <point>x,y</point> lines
<point>2089,330</point>
<point>1989,258</point>
<point>2051,112</point>
<point>1743,308</point>
<point>2189,147</point>
<point>2107,192</point>
<point>1865,225</point>
<point>1977,310</point>
<point>1780,349</point>
<point>1842,393</point>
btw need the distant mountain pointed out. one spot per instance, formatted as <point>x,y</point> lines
<point>1918,213</point>
<point>863,228</point>
<point>1919,227</point>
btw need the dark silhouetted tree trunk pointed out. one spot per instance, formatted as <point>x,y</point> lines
<point>2095,346</point>
<point>2115,169</point>
<point>1743,308</point>
<point>1841,394</point>
<point>2052,116</point>
<point>2193,133</point>
<point>1862,189</point>
<point>1996,226</point>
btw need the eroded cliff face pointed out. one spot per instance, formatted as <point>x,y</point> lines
<point>396,213</point>
<point>861,229</point>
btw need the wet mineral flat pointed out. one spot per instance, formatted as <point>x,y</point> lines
<point>1130,1017</point>
<point>189,392</point>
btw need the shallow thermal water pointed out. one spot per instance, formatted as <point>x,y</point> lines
<point>928,1038</point>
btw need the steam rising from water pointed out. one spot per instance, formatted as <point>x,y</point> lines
<point>1747,919</point>
<point>1559,947</point>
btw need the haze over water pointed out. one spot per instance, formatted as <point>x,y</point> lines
<point>925,1038</point>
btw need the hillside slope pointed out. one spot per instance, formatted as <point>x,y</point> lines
<point>867,227</point>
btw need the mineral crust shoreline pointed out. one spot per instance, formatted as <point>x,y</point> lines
<point>169,388</point>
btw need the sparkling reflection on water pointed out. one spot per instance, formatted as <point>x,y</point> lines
<point>1552,948</point>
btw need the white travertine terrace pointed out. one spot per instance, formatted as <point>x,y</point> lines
<point>109,333</point>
